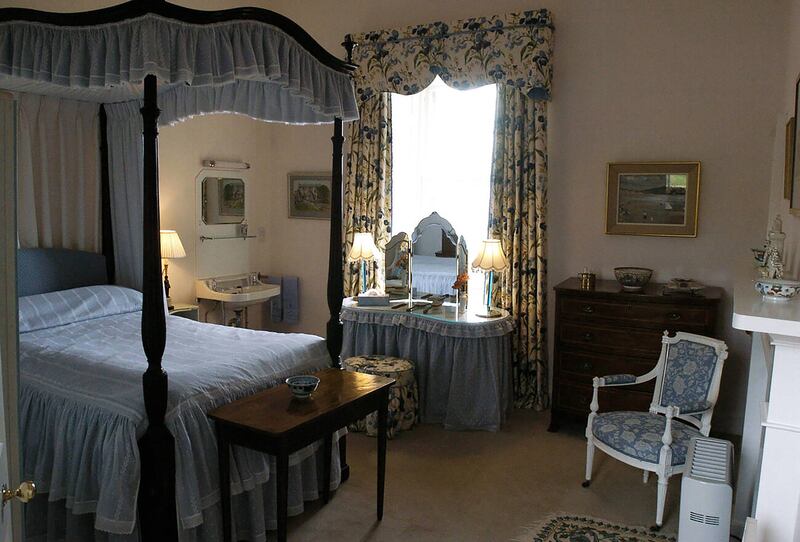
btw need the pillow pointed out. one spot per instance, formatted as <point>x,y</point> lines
<point>42,311</point>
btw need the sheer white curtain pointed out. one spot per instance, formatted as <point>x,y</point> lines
<point>442,142</point>
<point>58,173</point>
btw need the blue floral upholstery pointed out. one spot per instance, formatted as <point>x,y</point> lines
<point>619,379</point>
<point>638,435</point>
<point>688,374</point>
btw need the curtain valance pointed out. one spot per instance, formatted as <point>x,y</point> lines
<point>108,63</point>
<point>513,49</point>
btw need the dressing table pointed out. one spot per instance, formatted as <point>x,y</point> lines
<point>463,361</point>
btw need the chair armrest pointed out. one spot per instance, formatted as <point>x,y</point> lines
<point>697,408</point>
<point>617,380</point>
<point>692,408</point>
<point>623,379</point>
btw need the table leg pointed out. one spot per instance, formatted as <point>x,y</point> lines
<point>282,487</point>
<point>383,412</point>
<point>223,452</point>
<point>327,452</point>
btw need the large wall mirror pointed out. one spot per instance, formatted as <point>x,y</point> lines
<point>223,200</point>
<point>438,256</point>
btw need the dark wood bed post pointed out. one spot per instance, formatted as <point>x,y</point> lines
<point>105,200</point>
<point>157,510</point>
<point>335,279</point>
<point>335,257</point>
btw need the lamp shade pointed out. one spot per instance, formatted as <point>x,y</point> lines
<point>363,247</point>
<point>171,246</point>
<point>490,256</point>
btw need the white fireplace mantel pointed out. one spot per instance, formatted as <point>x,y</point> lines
<point>768,486</point>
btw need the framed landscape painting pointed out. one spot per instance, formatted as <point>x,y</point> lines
<point>310,195</point>
<point>653,198</point>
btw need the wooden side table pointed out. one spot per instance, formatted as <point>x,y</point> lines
<point>276,423</point>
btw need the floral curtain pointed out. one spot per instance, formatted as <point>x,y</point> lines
<point>367,203</point>
<point>518,219</point>
<point>513,51</point>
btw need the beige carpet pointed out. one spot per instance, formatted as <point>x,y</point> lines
<point>476,486</point>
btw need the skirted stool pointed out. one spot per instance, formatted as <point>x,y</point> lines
<point>403,397</point>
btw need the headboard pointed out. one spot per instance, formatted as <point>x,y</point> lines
<point>42,270</point>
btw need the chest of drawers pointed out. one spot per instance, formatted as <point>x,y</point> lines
<point>607,331</point>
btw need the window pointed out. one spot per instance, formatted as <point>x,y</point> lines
<point>442,141</point>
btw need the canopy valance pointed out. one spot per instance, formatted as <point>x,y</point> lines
<point>108,63</point>
<point>513,49</point>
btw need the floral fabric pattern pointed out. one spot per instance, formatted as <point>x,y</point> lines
<point>518,219</point>
<point>403,397</point>
<point>688,374</point>
<point>638,435</point>
<point>367,201</point>
<point>513,50</point>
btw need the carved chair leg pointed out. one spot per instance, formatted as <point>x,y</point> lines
<point>589,461</point>
<point>645,476</point>
<point>662,498</point>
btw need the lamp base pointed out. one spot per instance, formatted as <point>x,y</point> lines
<point>488,312</point>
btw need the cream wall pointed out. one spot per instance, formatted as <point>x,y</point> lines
<point>634,80</point>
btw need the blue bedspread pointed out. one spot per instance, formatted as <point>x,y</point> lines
<point>81,405</point>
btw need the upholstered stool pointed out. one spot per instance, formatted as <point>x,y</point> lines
<point>403,397</point>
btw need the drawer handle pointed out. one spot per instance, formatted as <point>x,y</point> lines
<point>588,309</point>
<point>586,366</point>
<point>674,316</point>
<point>588,336</point>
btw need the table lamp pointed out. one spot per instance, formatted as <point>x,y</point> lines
<point>363,249</point>
<point>171,247</point>
<point>490,258</point>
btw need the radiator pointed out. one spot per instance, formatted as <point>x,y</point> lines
<point>707,492</point>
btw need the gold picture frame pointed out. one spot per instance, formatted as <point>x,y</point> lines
<point>788,160</point>
<point>652,198</point>
<point>794,193</point>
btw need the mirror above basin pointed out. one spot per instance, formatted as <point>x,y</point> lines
<point>236,291</point>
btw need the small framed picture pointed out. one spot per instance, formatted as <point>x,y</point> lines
<point>788,160</point>
<point>653,198</point>
<point>310,195</point>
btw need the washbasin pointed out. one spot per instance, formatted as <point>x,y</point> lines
<point>236,291</point>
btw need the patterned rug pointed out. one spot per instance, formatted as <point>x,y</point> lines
<point>567,528</point>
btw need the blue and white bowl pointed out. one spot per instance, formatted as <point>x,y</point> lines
<point>302,386</point>
<point>633,279</point>
<point>777,289</point>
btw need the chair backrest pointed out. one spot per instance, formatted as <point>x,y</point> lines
<point>689,373</point>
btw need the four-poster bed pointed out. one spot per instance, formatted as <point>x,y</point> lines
<point>243,60</point>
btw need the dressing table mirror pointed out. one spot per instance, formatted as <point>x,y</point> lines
<point>438,256</point>
<point>223,200</point>
<point>397,262</point>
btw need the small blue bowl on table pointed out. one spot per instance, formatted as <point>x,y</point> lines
<point>302,386</point>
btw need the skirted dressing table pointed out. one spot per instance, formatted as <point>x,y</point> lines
<point>463,361</point>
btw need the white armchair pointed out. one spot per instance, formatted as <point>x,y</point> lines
<point>687,376</point>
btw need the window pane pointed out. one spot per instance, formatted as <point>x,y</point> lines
<point>442,152</point>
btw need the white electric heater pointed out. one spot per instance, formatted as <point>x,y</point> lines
<point>707,491</point>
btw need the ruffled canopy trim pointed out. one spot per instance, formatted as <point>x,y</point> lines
<point>108,62</point>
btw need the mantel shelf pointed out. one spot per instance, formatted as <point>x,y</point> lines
<point>752,313</point>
